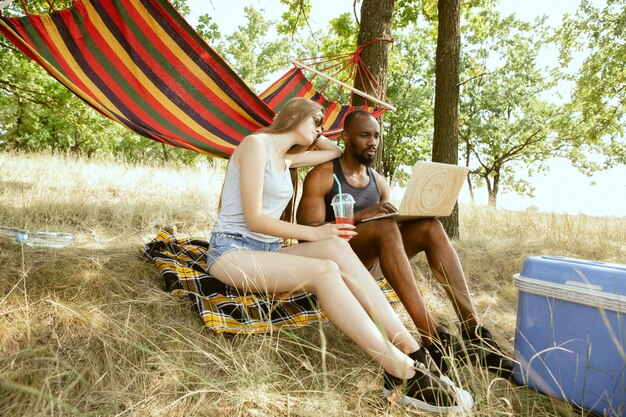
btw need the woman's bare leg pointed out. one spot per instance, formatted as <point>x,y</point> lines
<point>364,288</point>
<point>277,272</point>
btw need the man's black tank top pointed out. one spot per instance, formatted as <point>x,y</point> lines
<point>363,196</point>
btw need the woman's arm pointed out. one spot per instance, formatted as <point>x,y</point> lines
<point>323,150</point>
<point>251,159</point>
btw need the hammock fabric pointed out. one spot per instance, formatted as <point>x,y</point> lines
<point>141,64</point>
<point>223,309</point>
<point>295,84</point>
<point>138,62</point>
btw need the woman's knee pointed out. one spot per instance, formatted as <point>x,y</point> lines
<point>324,273</point>
<point>336,249</point>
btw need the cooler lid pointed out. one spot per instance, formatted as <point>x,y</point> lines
<point>577,273</point>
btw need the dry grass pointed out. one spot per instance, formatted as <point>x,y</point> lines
<point>88,330</point>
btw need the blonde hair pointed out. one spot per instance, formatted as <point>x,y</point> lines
<point>292,114</point>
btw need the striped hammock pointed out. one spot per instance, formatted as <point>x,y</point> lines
<point>139,63</point>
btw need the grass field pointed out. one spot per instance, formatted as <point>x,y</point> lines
<point>88,329</point>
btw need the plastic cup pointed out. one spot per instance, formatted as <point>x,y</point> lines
<point>343,206</point>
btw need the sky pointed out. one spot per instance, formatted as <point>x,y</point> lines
<point>562,189</point>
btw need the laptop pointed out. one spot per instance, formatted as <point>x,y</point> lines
<point>432,191</point>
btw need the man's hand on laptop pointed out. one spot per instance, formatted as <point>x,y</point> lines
<point>376,210</point>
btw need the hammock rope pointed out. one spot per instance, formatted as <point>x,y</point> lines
<point>352,65</point>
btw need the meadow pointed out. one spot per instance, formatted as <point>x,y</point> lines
<point>88,329</point>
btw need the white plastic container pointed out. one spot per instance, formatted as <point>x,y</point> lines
<point>53,240</point>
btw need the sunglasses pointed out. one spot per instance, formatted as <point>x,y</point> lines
<point>318,119</point>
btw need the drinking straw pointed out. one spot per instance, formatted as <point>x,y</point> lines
<point>340,202</point>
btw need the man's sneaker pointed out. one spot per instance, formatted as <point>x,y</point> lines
<point>423,356</point>
<point>483,346</point>
<point>442,349</point>
<point>427,391</point>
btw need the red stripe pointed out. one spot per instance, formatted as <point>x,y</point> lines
<point>276,85</point>
<point>21,40</point>
<point>149,129</point>
<point>36,23</point>
<point>286,89</point>
<point>126,74</point>
<point>192,78</point>
<point>331,110</point>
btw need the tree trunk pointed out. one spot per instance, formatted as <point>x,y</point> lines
<point>470,187</point>
<point>376,17</point>
<point>492,191</point>
<point>492,197</point>
<point>446,133</point>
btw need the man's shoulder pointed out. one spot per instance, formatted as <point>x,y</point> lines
<point>379,176</point>
<point>319,180</point>
<point>322,170</point>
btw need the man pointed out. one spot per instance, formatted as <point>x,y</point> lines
<point>393,244</point>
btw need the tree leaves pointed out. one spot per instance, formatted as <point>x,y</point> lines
<point>596,114</point>
<point>506,116</point>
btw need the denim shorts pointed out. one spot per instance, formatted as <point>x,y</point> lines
<point>223,242</point>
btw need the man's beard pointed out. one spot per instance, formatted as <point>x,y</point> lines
<point>365,160</point>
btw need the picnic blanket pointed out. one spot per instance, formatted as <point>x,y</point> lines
<point>222,308</point>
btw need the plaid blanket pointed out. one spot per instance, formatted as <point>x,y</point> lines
<point>182,263</point>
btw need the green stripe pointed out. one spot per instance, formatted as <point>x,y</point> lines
<point>38,44</point>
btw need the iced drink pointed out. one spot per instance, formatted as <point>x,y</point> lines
<point>343,206</point>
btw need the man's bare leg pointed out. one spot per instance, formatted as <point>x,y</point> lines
<point>428,235</point>
<point>381,239</point>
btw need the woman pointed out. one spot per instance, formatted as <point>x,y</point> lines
<point>246,253</point>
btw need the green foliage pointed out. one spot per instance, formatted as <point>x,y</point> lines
<point>208,29</point>
<point>506,116</point>
<point>295,18</point>
<point>407,12</point>
<point>408,130</point>
<point>250,54</point>
<point>595,119</point>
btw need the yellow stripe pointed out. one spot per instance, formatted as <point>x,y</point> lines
<point>146,83</point>
<point>334,114</point>
<point>277,84</point>
<point>57,40</point>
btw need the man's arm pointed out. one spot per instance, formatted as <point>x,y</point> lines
<point>383,187</point>
<point>312,207</point>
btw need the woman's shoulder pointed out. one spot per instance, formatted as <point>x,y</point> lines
<point>255,142</point>
<point>255,138</point>
<point>251,148</point>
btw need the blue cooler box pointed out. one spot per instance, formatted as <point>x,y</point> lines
<point>570,340</point>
